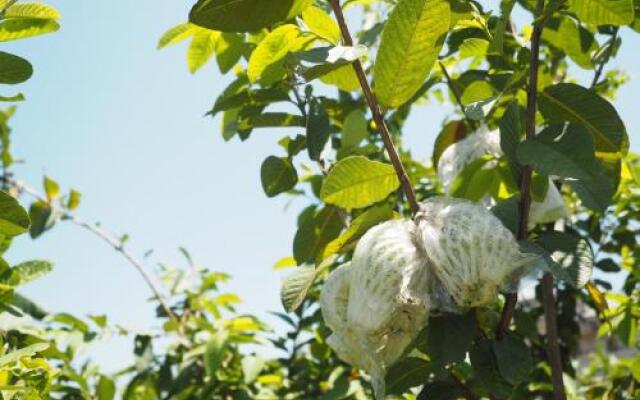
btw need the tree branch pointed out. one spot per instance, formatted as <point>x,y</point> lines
<point>376,112</point>
<point>553,348</point>
<point>105,237</point>
<point>607,57</point>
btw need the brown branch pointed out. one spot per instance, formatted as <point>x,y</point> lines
<point>105,237</point>
<point>376,112</point>
<point>553,347</point>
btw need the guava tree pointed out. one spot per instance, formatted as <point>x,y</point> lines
<point>547,152</point>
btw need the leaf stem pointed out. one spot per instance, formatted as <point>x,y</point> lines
<point>376,112</point>
<point>105,237</point>
<point>456,93</point>
<point>607,57</point>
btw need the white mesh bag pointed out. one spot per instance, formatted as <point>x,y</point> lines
<point>377,304</point>
<point>483,142</point>
<point>472,254</point>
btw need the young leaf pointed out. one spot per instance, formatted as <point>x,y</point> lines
<point>357,182</point>
<point>244,15</point>
<point>278,175</point>
<point>201,49</point>
<point>20,28</point>
<point>51,188</point>
<point>321,24</point>
<point>176,34</point>
<point>411,41</point>
<point>14,69</point>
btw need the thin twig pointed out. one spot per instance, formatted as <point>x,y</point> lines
<point>607,57</point>
<point>456,93</point>
<point>105,237</point>
<point>377,113</point>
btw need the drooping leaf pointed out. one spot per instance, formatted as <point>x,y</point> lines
<point>513,358</point>
<point>406,374</point>
<point>296,285</point>
<point>278,175</point>
<point>411,41</point>
<point>14,69</point>
<point>244,15</point>
<point>357,182</point>
<point>572,256</point>
<point>14,219</point>
<point>574,103</point>
<point>201,49</point>
<point>318,129</point>
<point>603,12</point>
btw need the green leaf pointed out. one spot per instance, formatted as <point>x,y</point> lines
<point>28,307</point>
<point>497,44</point>
<point>344,78</point>
<point>28,351</point>
<point>14,220</point>
<point>574,103</point>
<point>574,40</point>
<point>73,201</point>
<point>270,120</point>
<point>20,28</point>
<point>244,15</point>
<point>513,358</point>
<point>321,24</point>
<point>411,41</point>
<point>508,212</point>
<point>51,188</point>
<point>452,132</point>
<point>249,97</point>
<point>357,182</point>
<point>477,91</point>
<point>278,175</point>
<point>229,50</point>
<point>32,10</point>
<point>406,374</point>
<point>177,34</point>
<point>295,286</point>
<point>201,49</point>
<point>314,234</point>
<point>29,271</point>
<point>252,366</point>
<point>485,366</point>
<point>214,352</point>
<point>358,227</point>
<point>354,129</point>
<point>570,153</point>
<point>318,129</point>
<point>444,347</point>
<point>572,256</point>
<point>476,180</point>
<point>14,69</point>
<point>106,388</point>
<point>603,12</point>
<point>42,218</point>
<point>511,131</point>
<point>267,62</point>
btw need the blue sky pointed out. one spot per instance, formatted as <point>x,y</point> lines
<point>108,114</point>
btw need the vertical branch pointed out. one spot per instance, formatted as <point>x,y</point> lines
<point>553,348</point>
<point>376,112</point>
